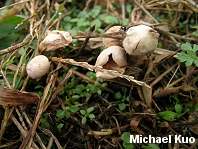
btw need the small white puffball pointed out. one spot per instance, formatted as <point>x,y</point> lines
<point>112,58</point>
<point>140,40</point>
<point>38,66</point>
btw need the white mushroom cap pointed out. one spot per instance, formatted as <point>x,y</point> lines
<point>112,58</point>
<point>54,40</point>
<point>38,67</point>
<point>111,41</point>
<point>140,40</point>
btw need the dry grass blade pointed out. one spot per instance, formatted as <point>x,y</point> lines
<point>17,46</point>
<point>116,35</point>
<point>40,109</point>
<point>91,68</point>
<point>147,91</point>
<point>59,88</point>
<point>47,132</point>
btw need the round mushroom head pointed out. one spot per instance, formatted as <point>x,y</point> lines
<point>140,40</point>
<point>38,67</point>
<point>112,58</point>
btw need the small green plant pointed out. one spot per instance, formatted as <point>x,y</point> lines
<point>123,98</point>
<point>126,141</point>
<point>66,113</point>
<point>67,88</point>
<point>44,122</point>
<point>73,93</point>
<point>150,146</point>
<point>195,33</point>
<point>188,54</point>
<point>175,100</point>
<point>169,115</point>
<point>87,114</point>
<point>84,90</point>
<point>173,112</point>
<point>39,89</point>
<point>196,107</point>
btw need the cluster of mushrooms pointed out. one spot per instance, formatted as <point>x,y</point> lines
<point>140,41</point>
<point>53,40</point>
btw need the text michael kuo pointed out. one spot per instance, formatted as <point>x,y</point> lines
<point>168,139</point>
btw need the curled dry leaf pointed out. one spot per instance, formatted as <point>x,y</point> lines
<point>111,41</point>
<point>10,97</point>
<point>54,40</point>
<point>38,66</point>
<point>134,124</point>
<point>112,58</point>
<point>159,93</point>
<point>140,40</point>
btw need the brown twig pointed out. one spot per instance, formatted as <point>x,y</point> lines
<point>49,133</point>
<point>146,89</point>
<point>40,109</point>
<point>116,35</point>
<point>92,28</point>
<point>17,46</point>
<point>59,88</point>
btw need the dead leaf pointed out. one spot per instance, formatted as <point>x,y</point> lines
<point>163,124</point>
<point>194,129</point>
<point>135,122</point>
<point>193,118</point>
<point>10,97</point>
<point>160,58</point>
<point>137,103</point>
<point>163,27</point>
<point>147,92</point>
<point>189,71</point>
<point>159,93</point>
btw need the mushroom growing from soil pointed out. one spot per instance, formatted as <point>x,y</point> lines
<point>111,41</point>
<point>54,40</point>
<point>38,67</point>
<point>112,58</point>
<point>140,40</point>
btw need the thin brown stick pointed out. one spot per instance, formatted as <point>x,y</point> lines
<point>23,132</point>
<point>162,75</point>
<point>39,112</point>
<point>92,28</point>
<point>147,91</point>
<point>59,88</point>
<point>17,46</point>
<point>146,11</point>
<point>116,35</point>
<point>49,133</point>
